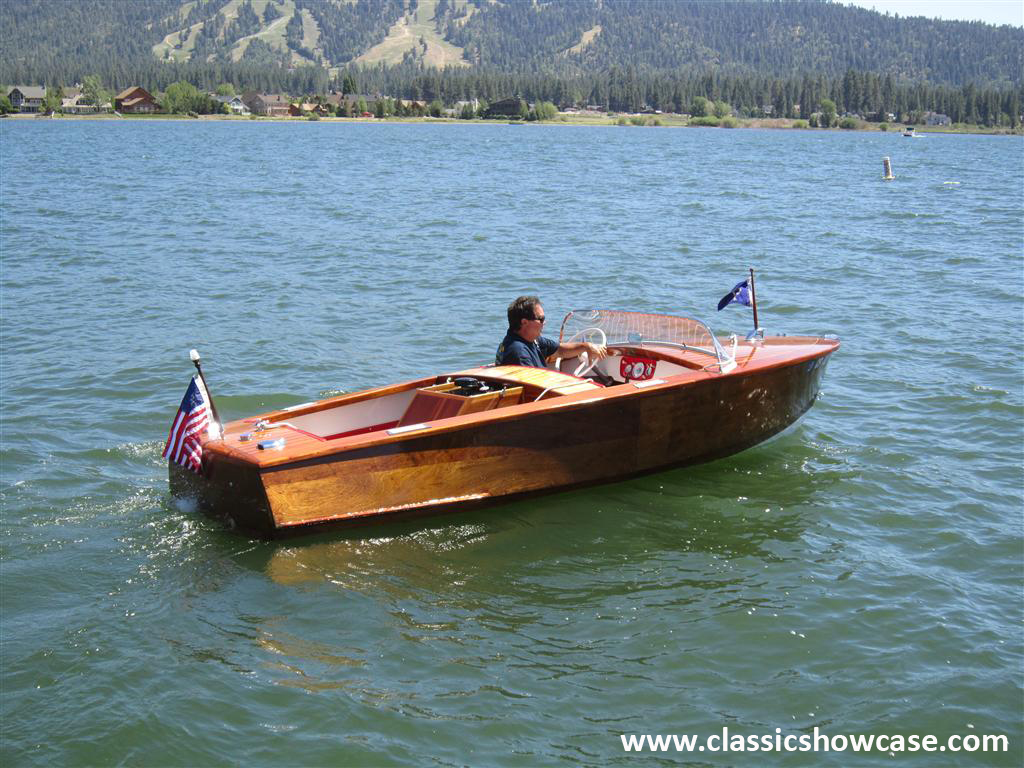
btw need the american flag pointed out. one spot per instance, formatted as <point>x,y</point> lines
<point>184,443</point>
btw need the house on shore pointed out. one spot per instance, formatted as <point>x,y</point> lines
<point>333,100</point>
<point>233,104</point>
<point>27,98</point>
<point>295,109</point>
<point>73,102</point>
<point>135,101</point>
<point>268,104</point>
<point>353,99</point>
<point>73,105</point>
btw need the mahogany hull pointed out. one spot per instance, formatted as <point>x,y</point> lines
<point>535,448</point>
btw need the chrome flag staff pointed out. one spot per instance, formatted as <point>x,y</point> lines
<point>185,441</point>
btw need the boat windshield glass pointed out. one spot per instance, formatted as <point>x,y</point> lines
<point>638,328</point>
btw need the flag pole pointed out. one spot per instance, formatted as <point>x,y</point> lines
<point>193,355</point>
<point>753,299</point>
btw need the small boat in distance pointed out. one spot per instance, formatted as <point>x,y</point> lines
<point>909,132</point>
<point>669,394</point>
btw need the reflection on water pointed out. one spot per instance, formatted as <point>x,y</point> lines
<point>646,520</point>
<point>635,571</point>
<point>678,542</point>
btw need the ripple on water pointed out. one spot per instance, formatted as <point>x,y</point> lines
<point>848,574</point>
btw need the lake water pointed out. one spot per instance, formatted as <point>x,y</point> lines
<point>862,573</point>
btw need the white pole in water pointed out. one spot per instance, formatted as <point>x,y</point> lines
<point>887,167</point>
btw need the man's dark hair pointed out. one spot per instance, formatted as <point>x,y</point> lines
<point>522,308</point>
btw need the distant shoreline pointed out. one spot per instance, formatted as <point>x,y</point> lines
<point>612,121</point>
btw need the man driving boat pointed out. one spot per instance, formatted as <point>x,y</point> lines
<point>523,344</point>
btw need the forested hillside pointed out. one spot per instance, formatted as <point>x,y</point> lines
<point>66,39</point>
<point>780,58</point>
<point>776,38</point>
<point>39,37</point>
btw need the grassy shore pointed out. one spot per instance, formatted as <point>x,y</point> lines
<point>602,119</point>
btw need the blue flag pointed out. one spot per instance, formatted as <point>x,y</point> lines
<point>740,294</point>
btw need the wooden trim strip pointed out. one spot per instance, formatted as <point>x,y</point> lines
<point>383,510</point>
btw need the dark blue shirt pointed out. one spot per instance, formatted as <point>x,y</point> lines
<point>515,350</point>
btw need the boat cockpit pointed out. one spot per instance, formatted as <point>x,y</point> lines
<point>644,350</point>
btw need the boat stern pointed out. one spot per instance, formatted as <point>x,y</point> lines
<point>225,490</point>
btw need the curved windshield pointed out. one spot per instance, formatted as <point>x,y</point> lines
<point>638,329</point>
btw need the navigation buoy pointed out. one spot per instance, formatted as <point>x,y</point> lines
<point>887,168</point>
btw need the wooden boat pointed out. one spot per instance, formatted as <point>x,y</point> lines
<point>670,394</point>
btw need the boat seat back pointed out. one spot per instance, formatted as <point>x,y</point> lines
<point>439,402</point>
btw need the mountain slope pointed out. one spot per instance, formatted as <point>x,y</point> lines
<point>568,37</point>
<point>777,38</point>
<point>416,36</point>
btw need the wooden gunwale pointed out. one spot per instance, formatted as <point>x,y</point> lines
<point>746,365</point>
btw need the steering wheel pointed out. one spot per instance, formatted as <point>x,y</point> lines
<point>585,335</point>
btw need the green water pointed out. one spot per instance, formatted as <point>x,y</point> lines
<point>861,573</point>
